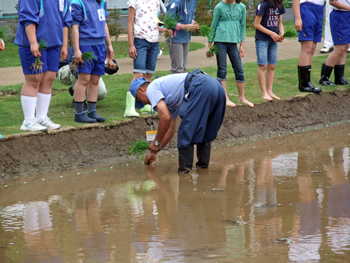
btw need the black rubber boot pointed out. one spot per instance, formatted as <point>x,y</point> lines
<point>305,84</point>
<point>203,154</point>
<point>93,115</point>
<point>326,72</point>
<point>185,159</point>
<point>339,78</point>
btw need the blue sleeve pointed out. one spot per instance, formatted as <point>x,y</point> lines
<point>77,12</point>
<point>260,9</point>
<point>67,16</point>
<point>29,12</point>
<point>106,11</point>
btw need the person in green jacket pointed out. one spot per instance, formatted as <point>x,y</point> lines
<point>229,22</point>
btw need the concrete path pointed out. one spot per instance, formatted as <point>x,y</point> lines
<point>197,59</point>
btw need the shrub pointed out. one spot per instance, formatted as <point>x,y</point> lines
<point>114,26</point>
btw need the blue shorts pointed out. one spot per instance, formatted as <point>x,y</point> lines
<point>147,54</point>
<point>266,52</point>
<point>312,17</point>
<point>97,65</point>
<point>50,57</point>
<point>340,27</point>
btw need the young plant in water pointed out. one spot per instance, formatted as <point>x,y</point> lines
<point>38,65</point>
<point>87,57</point>
<point>138,148</point>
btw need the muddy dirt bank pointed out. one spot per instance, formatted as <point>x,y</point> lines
<point>72,148</point>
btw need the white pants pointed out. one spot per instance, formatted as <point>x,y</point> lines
<point>65,76</point>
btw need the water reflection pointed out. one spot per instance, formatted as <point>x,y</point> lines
<point>277,200</point>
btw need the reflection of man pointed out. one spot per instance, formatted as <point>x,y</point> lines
<point>200,102</point>
<point>67,76</point>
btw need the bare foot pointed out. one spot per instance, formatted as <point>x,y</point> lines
<point>230,103</point>
<point>274,96</point>
<point>246,102</point>
<point>266,97</point>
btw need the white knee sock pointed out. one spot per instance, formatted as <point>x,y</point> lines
<point>28,106</point>
<point>42,105</point>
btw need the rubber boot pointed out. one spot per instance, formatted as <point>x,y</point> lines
<point>326,72</point>
<point>93,115</point>
<point>185,159</point>
<point>203,154</point>
<point>130,106</point>
<point>82,117</point>
<point>305,84</point>
<point>147,109</point>
<point>339,78</point>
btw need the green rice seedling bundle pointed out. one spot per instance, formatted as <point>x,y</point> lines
<point>138,147</point>
<point>290,34</point>
<point>87,57</point>
<point>38,65</point>
<point>3,33</point>
<point>207,31</point>
<point>171,22</point>
<point>213,50</point>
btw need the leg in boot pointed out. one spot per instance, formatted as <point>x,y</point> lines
<point>185,159</point>
<point>130,106</point>
<point>326,72</point>
<point>80,114</point>
<point>305,84</point>
<point>339,78</point>
<point>203,154</point>
<point>91,112</point>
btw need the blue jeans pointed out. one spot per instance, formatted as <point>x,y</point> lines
<point>232,51</point>
<point>147,54</point>
<point>266,52</point>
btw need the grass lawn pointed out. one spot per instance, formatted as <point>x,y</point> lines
<point>10,58</point>
<point>62,112</point>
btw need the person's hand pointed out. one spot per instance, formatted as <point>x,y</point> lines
<point>110,64</point>
<point>241,52</point>
<point>34,48</point>
<point>168,33</point>
<point>275,37</point>
<point>193,27</point>
<point>150,158</point>
<point>110,53</point>
<point>298,24</point>
<point>154,149</point>
<point>132,52</point>
<point>208,54</point>
<point>63,53</point>
<point>77,57</point>
<point>2,44</point>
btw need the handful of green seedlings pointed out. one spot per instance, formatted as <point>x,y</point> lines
<point>3,33</point>
<point>138,148</point>
<point>170,22</point>
<point>38,65</point>
<point>290,34</point>
<point>207,31</point>
<point>213,50</point>
<point>87,57</point>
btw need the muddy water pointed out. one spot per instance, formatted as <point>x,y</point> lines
<point>284,199</point>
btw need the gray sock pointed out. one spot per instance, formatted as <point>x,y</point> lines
<point>79,106</point>
<point>91,106</point>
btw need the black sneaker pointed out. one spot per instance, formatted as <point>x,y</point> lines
<point>71,91</point>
